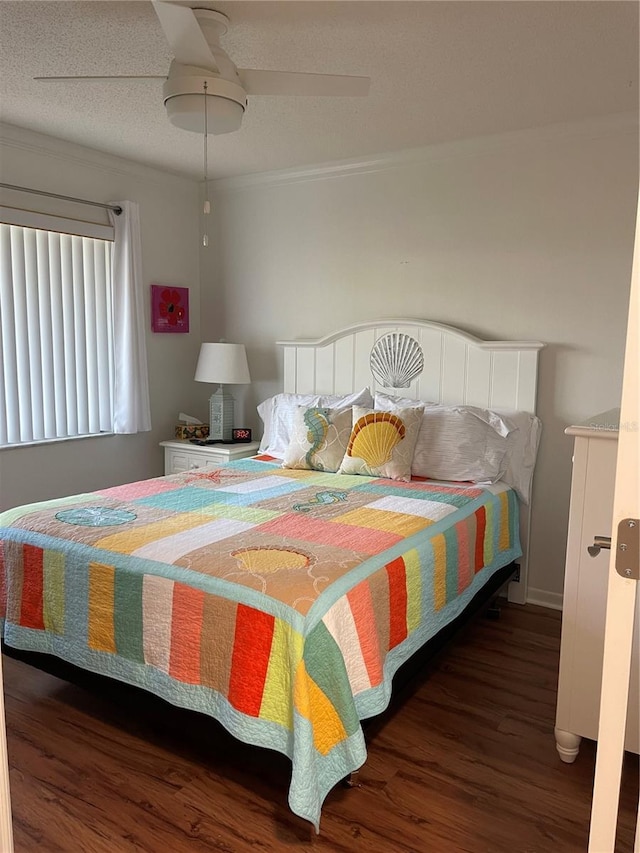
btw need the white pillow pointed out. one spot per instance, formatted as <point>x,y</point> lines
<point>283,402</point>
<point>521,442</point>
<point>278,414</point>
<point>463,443</point>
<point>384,402</point>
<point>522,449</point>
<point>338,401</point>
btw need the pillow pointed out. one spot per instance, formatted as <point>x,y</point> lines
<point>461,443</point>
<point>319,438</point>
<point>381,444</point>
<point>522,449</point>
<point>279,412</point>
<point>273,427</point>
<point>389,403</point>
<point>337,401</point>
<point>521,442</point>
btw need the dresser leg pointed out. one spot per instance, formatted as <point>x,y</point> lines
<point>567,745</point>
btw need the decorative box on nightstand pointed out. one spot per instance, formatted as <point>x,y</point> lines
<point>183,456</point>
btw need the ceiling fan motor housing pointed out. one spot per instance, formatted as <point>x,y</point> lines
<point>187,86</point>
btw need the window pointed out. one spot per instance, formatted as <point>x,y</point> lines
<point>56,329</point>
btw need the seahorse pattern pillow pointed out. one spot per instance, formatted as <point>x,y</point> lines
<point>319,438</point>
<point>278,413</point>
<point>381,444</point>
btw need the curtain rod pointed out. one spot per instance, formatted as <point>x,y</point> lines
<point>114,207</point>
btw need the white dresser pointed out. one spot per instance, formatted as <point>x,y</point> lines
<point>183,456</point>
<point>585,591</point>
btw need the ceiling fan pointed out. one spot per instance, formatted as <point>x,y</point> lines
<point>201,67</point>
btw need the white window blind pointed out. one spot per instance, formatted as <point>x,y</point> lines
<point>56,348</point>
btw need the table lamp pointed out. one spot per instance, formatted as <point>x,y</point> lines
<point>226,364</point>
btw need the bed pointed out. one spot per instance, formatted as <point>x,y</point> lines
<point>282,600</point>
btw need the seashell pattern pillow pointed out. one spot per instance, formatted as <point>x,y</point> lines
<point>381,443</point>
<point>319,438</point>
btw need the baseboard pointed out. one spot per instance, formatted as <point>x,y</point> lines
<point>544,598</point>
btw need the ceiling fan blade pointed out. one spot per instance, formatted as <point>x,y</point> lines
<point>98,77</point>
<point>294,83</point>
<point>186,39</point>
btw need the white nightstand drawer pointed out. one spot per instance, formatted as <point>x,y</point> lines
<point>179,462</point>
<point>182,456</point>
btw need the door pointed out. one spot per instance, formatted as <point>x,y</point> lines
<point>621,597</point>
<point>6,833</point>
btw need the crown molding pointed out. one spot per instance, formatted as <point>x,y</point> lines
<point>23,139</point>
<point>613,125</point>
<point>12,136</point>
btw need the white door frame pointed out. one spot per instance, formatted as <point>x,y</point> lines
<point>621,597</point>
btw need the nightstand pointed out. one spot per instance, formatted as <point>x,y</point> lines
<point>182,456</point>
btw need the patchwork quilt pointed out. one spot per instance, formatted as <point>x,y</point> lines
<point>279,601</point>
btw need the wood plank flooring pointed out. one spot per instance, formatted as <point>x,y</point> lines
<point>464,761</point>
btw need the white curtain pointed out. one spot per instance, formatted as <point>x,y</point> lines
<point>131,410</point>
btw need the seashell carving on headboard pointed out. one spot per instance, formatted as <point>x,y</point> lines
<point>396,360</point>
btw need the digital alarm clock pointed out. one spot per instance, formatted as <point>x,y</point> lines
<point>241,434</point>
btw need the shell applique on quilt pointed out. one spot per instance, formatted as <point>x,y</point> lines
<point>96,516</point>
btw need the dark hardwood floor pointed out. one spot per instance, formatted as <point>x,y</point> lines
<point>464,761</point>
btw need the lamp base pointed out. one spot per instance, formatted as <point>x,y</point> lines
<point>221,415</point>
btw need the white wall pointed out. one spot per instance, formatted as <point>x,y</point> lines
<point>170,238</point>
<point>526,236</point>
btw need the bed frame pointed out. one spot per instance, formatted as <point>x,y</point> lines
<point>457,368</point>
<point>448,366</point>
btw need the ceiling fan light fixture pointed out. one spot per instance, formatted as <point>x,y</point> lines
<point>226,103</point>
<point>201,66</point>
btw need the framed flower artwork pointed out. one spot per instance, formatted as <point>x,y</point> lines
<point>169,308</point>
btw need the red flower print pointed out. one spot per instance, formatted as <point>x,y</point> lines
<point>170,308</point>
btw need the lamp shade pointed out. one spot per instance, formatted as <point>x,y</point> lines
<point>224,363</point>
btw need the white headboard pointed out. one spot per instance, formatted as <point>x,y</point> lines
<point>458,368</point>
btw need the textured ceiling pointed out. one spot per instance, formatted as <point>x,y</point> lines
<point>440,71</point>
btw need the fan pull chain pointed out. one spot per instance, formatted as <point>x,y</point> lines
<point>207,205</point>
